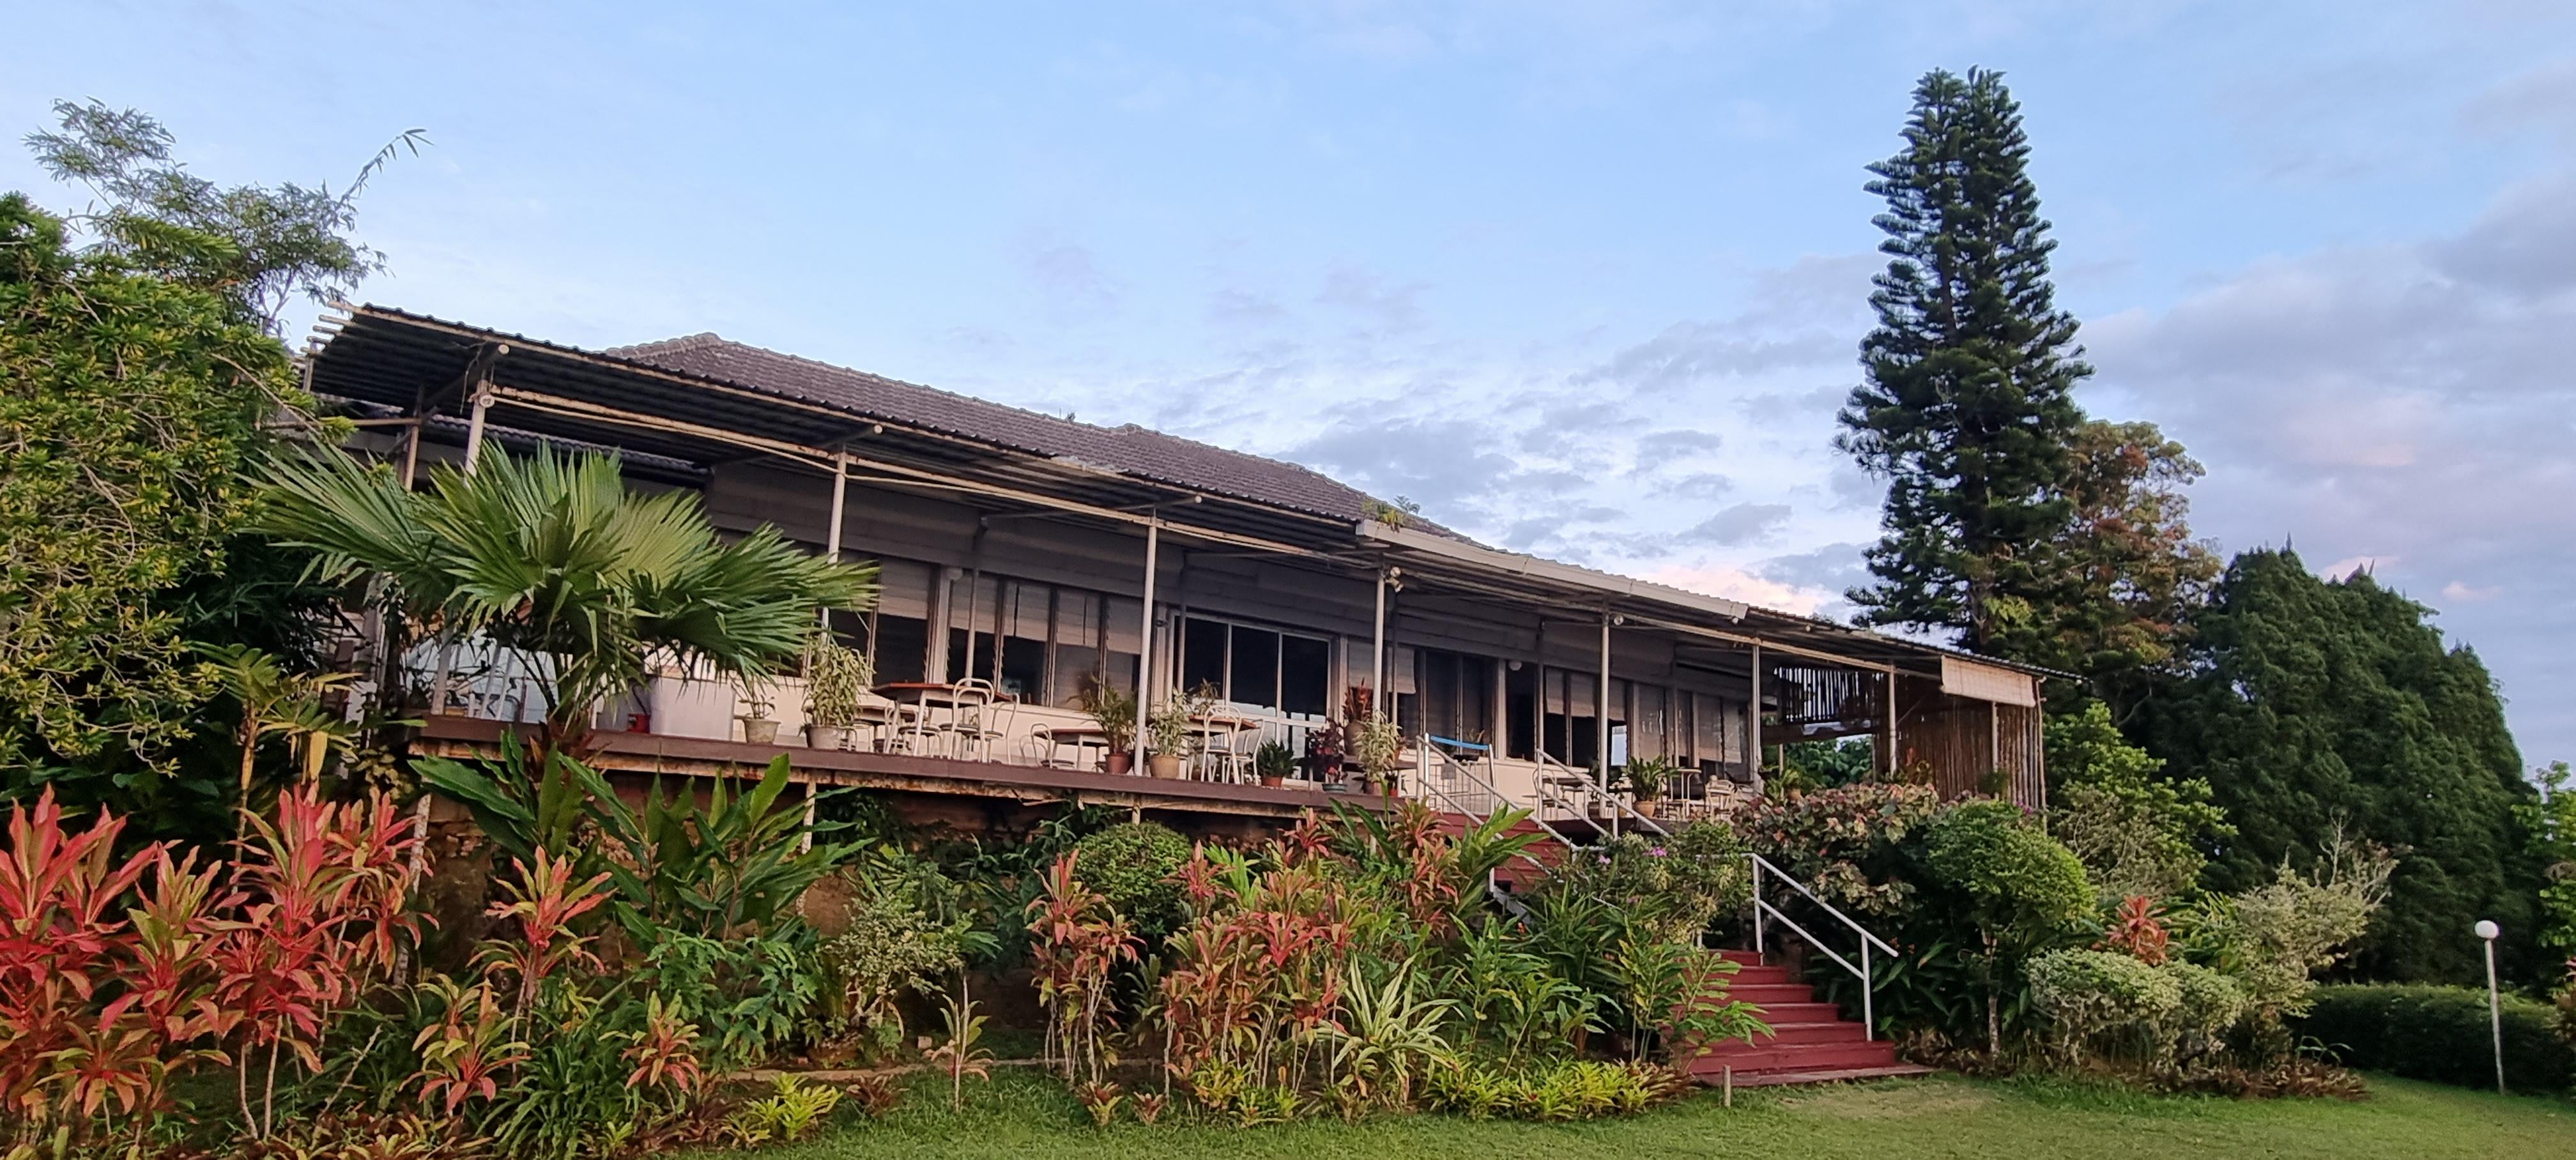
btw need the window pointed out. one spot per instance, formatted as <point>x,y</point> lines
<point>896,634</point>
<point>1305,674</point>
<point>1650,722</point>
<point>1256,666</point>
<point>1027,611</point>
<point>1456,695</point>
<point>1520,712</point>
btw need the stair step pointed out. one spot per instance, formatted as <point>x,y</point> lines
<point>1799,1012</point>
<point>1804,1057</point>
<point>1828,1075</point>
<point>1760,975</point>
<point>1766,994</point>
<point>1836,1031</point>
<point>1748,958</point>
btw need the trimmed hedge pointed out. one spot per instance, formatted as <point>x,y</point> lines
<point>2441,1034</point>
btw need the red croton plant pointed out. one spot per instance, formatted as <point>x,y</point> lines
<point>119,974</point>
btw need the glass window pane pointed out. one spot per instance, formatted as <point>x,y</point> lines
<point>1254,671</point>
<point>1646,737</point>
<point>1024,639</point>
<point>1203,654</point>
<point>1305,675</point>
<point>1077,645</point>
<point>903,643</point>
<point>1520,711</point>
<point>1475,700</point>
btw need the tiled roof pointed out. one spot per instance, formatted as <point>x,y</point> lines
<point>1131,449</point>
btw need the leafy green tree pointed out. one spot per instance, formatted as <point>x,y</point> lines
<point>138,372</point>
<point>128,404</point>
<point>2120,580</point>
<point>2023,889</point>
<point>259,246</point>
<point>2317,705</point>
<point>2549,825</point>
<point>551,557</point>
<point>2136,833</point>
<point>1968,409</point>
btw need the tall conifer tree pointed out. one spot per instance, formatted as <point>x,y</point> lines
<point>1968,409</point>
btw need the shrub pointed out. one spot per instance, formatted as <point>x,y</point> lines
<point>1842,842</point>
<point>2440,1034</point>
<point>2211,1003</point>
<point>2022,887</point>
<point>1131,865</point>
<point>2104,1002</point>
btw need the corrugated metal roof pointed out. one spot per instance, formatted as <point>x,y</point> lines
<point>1129,449</point>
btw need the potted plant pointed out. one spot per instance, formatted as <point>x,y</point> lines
<point>1327,747</point>
<point>1376,744</point>
<point>1647,777</point>
<point>1172,734</point>
<point>1273,762</point>
<point>758,727</point>
<point>836,687</point>
<point>1115,713</point>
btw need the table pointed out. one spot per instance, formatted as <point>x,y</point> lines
<point>1081,738</point>
<point>1212,727</point>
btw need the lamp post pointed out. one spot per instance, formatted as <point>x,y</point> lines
<point>2488,930</point>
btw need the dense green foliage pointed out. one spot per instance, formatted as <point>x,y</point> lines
<point>2442,1034</point>
<point>129,406</point>
<point>2136,833</point>
<point>1132,865</point>
<point>2549,825</point>
<point>2317,705</point>
<point>137,370</point>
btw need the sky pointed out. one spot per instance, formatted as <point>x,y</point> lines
<point>1585,280</point>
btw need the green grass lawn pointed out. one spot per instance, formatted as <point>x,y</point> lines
<point>1021,1115</point>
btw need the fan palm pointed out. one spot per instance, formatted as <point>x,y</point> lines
<point>550,556</point>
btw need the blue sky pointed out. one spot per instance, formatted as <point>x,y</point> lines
<point>1584,279</point>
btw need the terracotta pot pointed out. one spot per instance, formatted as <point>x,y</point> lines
<point>1646,807</point>
<point>1120,763</point>
<point>1163,765</point>
<point>827,736</point>
<point>759,730</point>
<point>1272,780</point>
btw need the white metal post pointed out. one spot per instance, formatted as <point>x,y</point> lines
<point>1145,647</point>
<point>2487,931</point>
<point>1601,726</point>
<point>832,534</point>
<point>1757,903</point>
<point>1868,993</point>
<point>1377,650</point>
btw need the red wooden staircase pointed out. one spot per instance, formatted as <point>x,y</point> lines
<point>1811,1042</point>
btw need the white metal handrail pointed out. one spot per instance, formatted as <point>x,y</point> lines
<point>1593,795</point>
<point>1425,754</point>
<point>1866,972</point>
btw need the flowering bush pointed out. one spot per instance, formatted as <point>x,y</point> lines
<point>1843,843</point>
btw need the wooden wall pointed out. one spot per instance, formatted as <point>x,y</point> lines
<point>1964,739</point>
